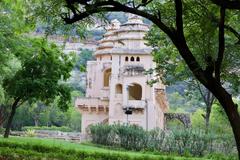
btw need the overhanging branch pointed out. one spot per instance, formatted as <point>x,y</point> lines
<point>176,35</point>
<point>228,4</point>
<point>179,14</point>
<point>232,30</point>
<point>110,6</point>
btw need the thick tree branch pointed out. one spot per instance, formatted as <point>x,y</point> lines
<point>110,5</point>
<point>71,6</point>
<point>228,4</point>
<point>180,42</point>
<point>146,2</point>
<point>232,30</point>
<point>221,47</point>
<point>179,14</point>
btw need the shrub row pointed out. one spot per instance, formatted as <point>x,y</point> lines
<point>19,151</point>
<point>182,142</point>
<point>52,128</point>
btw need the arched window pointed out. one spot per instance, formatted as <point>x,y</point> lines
<point>134,92</point>
<point>111,58</point>
<point>118,89</point>
<point>132,59</point>
<point>106,77</point>
<point>126,59</point>
<point>138,59</point>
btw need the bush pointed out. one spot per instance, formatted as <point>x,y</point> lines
<point>101,134</point>
<point>178,141</point>
<point>129,137</point>
<point>188,141</point>
<point>156,139</point>
<point>52,128</point>
<point>30,133</point>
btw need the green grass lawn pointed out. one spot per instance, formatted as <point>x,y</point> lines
<point>36,148</point>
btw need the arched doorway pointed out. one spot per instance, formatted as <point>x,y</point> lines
<point>106,77</point>
<point>135,91</point>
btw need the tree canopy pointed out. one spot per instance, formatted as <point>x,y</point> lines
<point>43,67</point>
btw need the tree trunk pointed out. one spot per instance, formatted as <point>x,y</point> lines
<point>224,98</point>
<point>10,119</point>
<point>207,118</point>
<point>36,121</point>
<point>209,100</point>
<point>230,108</point>
<point>234,118</point>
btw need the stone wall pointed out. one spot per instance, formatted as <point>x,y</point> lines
<point>69,136</point>
<point>184,118</point>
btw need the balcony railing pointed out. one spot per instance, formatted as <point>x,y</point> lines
<point>132,70</point>
<point>90,102</point>
<point>136,104</point>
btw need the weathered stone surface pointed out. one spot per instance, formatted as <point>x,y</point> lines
<point>184,118</point>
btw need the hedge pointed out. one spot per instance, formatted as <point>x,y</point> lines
<point>184,142</point>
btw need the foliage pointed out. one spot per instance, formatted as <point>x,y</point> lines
<point>12,25</point>
<point>20,148</point>
<point>75,120</point>
<point>12,41</point>
<point>182,141</point>
<point>49,22</point>
<point>219,123</point>
<point>99,133</point>
<point>42,67</point>
<point>84,56</point>
<point>30,133</point>
<point>180,100</point>
<point>47,115</point>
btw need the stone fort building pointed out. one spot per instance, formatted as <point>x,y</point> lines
<point>117,91</point>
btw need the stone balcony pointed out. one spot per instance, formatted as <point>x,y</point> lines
<point>92,104</point>
<point>133,70</point>
<point>136,104</point>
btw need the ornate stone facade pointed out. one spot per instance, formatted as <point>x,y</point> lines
<point>116,81</point>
